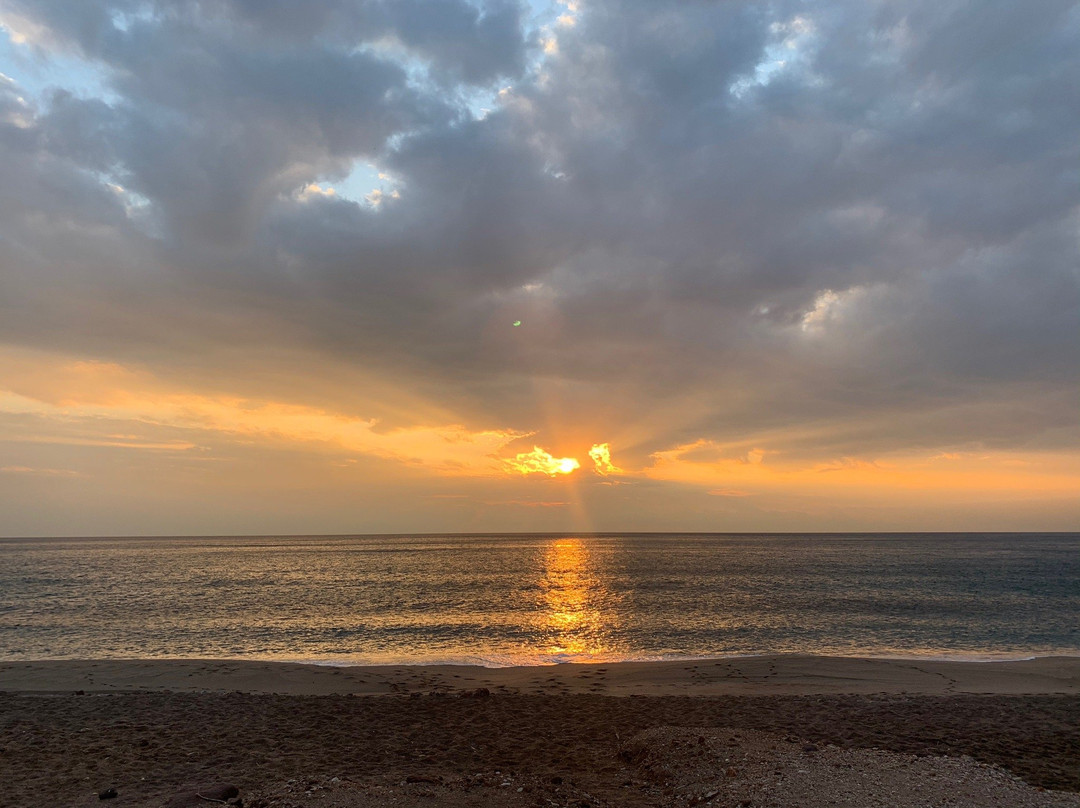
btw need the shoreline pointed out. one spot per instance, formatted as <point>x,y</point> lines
<point>712,676</point>
<point>490,662</point>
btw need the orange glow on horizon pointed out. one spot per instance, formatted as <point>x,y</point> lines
<point>936,476</point>
<point>69,420</point>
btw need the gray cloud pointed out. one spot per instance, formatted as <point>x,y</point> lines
<point>747,215</point>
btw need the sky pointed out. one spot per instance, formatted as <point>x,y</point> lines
<point>366,266</point>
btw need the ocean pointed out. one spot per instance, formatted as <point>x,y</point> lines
<point>536,599</point>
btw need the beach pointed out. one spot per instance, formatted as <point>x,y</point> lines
<point>575,734</point>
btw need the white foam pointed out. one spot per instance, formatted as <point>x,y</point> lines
<point>550,660</point>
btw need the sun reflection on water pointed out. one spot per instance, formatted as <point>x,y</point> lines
<point>574,623</point>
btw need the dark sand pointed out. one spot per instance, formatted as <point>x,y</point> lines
<point>553,732</point>
<point>753,676</point>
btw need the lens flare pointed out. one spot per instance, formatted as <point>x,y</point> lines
<point>540,462</point>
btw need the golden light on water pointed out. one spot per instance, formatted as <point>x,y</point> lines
<point>573,622</point>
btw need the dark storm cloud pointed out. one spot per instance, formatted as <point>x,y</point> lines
<point>776,213</point>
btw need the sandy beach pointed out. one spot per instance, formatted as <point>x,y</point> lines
<point>293,734</point>
<point>765,675</point>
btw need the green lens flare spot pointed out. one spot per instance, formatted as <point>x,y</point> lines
<point>517,323</point>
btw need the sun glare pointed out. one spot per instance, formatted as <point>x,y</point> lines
<point>540,462</point>
<point>571,619</point>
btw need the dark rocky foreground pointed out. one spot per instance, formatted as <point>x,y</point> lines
<point>67,749</point>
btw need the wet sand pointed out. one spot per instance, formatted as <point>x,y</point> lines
<point>291,735</point>
<point>765,675</point>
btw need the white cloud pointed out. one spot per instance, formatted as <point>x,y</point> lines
<point>830,306</point>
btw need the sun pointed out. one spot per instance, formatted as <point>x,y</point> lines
<point>542,462</point>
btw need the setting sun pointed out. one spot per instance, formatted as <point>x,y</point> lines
<point>539,461</point>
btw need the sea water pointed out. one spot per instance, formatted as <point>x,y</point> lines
<point>532,599</point>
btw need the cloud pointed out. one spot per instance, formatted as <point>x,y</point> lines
<point>600,454</point>
<point>729,492</point>
<point>86,403</point>
<point>539,461</point>
<point>525,503</point>
<point>845,230</point>
<point>39,472</point>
